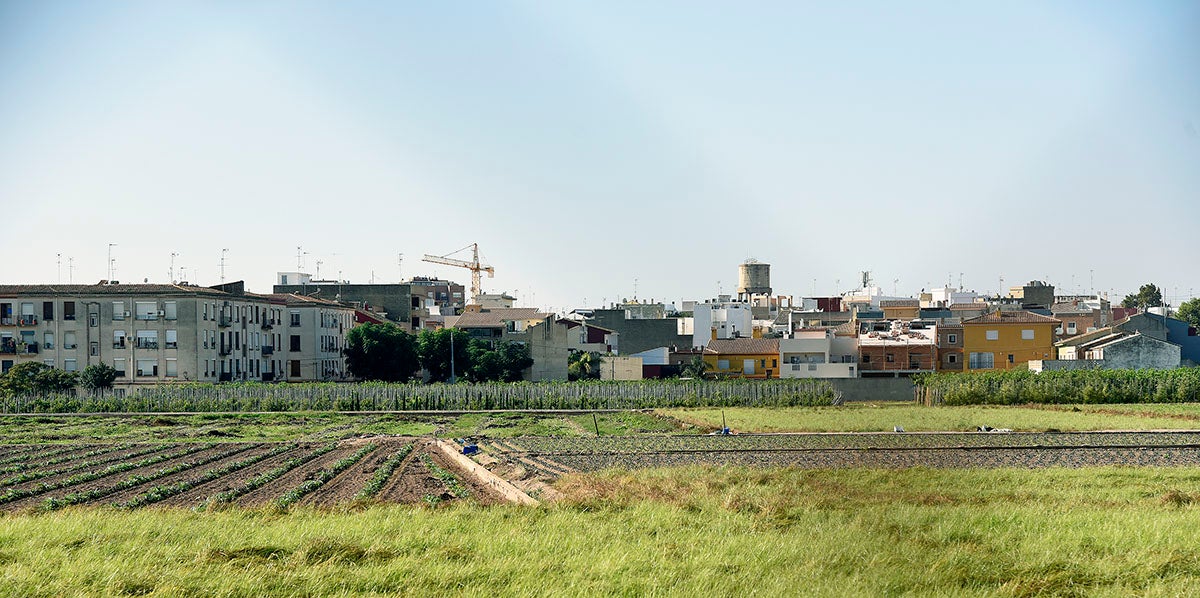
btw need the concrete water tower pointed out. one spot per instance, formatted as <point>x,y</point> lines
<point>754,278</point>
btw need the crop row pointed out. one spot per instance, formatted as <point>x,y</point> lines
<point>447,477</point>
<point>290,497</point>
<point>109,456</point>
<point>76,498</point>
<point>383,474</point>
<point>1014,387</point>
<point>13,494</point>
<point>265,478</point>
<point>22,458</point>
<point>56,457</point>
<point>158,493</point>
<point>767,442</point>
<point>972,458</point>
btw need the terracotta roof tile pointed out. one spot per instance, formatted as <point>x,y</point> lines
<point>495,318</point>
<point>743,346</point>
<point>1012,317</point>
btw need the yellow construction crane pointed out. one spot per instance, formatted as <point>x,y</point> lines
<point>474,266</point>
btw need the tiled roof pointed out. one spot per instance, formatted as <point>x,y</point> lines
<point>297,299</point>
<point>495,318</point>
<point>13,290</point>
<point>743,346</point>
<point>1012,317</point>
<point>968,306</point>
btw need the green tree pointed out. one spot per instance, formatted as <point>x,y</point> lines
<point>1147,296</point>
<point>696,368</point>
<point>1189,311</point>
<point>381,352</point>
<point>98,376</point>
<point>433,347</point>
<point>499,362</point>
<point>32,377</point>
<point>583,365</point>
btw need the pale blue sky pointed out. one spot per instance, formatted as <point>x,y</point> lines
<point>588,145</point>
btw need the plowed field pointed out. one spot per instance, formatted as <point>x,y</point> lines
<point>262,474</point>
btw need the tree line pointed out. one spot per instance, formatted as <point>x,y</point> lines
<point>388,353</point>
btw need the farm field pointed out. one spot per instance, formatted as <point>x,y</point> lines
<point>678,531</point>
<point>882,417</point>
<point>210,476</point>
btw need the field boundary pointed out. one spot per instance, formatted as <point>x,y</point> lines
<point>500,485</point>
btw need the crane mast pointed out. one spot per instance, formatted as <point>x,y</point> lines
<point>474,266</point>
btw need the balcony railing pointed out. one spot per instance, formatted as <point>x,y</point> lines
<point>224,321</point>
<point>225,350</point>
<point>9,348</point>
<point>268,350</point>
<point>268,376</point>
<point>7,321</point>
<point>172,345</point>
<point>31,348</point>
<point>119,344</point>
<point>146,344</point>
<point>268,324</point>
<point>225,377</point>
<point>27,321</point>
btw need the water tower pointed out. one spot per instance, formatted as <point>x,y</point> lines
<point>754,278</point>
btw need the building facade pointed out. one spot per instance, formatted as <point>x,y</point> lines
<point>1003,340</point>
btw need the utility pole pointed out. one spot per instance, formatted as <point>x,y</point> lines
<point>111,261</point>
<point>223,252</point>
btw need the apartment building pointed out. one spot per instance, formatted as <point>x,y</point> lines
<point>156,333</point>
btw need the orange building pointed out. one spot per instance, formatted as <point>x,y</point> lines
<point>1003,340</point>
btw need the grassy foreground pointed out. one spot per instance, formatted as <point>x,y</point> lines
<point>872,417</point>
<point>692,531</point>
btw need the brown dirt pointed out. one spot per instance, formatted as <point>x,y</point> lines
<point>480,492</point>
<point>343,488</point>
<point>109,480</point>
<point>293,478</point>
<point>183,476</point>
<point>412,481</point>
<point>107,461</point>
<point>200,493</point>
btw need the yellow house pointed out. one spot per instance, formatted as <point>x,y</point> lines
<point>1003,340</point>
<point>900,309</point>
<point>743,357</point>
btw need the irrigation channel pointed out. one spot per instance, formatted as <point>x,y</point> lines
<point>558,456</point>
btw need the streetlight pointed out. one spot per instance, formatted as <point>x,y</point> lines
<point>449,303</point>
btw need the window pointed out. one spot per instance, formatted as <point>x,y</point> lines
<point>1010,358</point>
<point>1071,328</point>
<point>147,367</point>
<point>172,368</point>
<point>866,358</point>
<point>69,340</point>
<point>172,339</point>
<point>68,310</point>
<point>722,364</point>
<point>27,317</point>
<point>48,340</point>
<point>145,310</point>
<point>70,365</point>
<point>118,339</point>
<point>205,311</point>
<point>952,358</point>
<point>147,339</point>
<point>94,348</point>
<point>295,342</point>
<point>5,366</point>
<point>170,310</point>
<point>981,361</point>
<point>295,368</point>
<point>118,310</point>
<point>119,365</point>
<point>295,318</point>
<point>952,338</point>
<point>48,362</point>
<point>890,358</point>
<point>1026,335</point>
<point>47,310</point>
<point>993,335</point>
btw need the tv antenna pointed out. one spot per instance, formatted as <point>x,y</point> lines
<point>223,252</point>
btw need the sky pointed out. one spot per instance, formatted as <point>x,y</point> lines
<point>602,151</point>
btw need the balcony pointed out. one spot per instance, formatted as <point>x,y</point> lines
<point>268,350</point>
<point>8,347</point>
<point>147,344</point>
<point>172,345</point>
<point>8,321</point>
<point>225,350</point>
<point>119,344</point>
<point>224,321</point>
<point>31,349</point>
<point>27,321</point>
<point>225,377</point>
<point>268,377</point>
<point>268,324</point>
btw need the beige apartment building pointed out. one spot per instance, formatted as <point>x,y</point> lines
<point>157,333</point>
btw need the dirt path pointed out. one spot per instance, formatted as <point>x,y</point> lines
<point>294,478</point>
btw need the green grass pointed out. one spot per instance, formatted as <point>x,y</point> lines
<point>867,417</point>
<point>692,531</point>
<point>505,425</point>
<point>628,423</point>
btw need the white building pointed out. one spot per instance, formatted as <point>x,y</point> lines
<point>812,354</point>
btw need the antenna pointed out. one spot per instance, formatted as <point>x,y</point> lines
<point>635,281</point>
<point>223,252</point>
<point>59,263</point>
<point>400,265</point>
<point>300,253</point>
<point>71,270</point>
<point>1092,280</point>
<point>111,261</point>
<point>171,274</point>
<point>895,282</point>
<point>319,262</point>
<point>182,273</point>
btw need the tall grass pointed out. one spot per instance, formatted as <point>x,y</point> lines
<point>244,397</point>
<point>1080,386</point>
<point>689,532</point>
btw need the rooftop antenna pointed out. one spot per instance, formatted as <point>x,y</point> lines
<point>635,281</point>
<point>183,274</point>
<point>59,263</point>
<point>300,253</point>
<point>400,265</point>
<point>1092,280</point>
<point>319,262</point>
<point>71,270</point>
<point>372,277</point>
<point>171,274</point>
<point>223,252</point>
<point>960,281</point>
<point>895,283</point>
<point>111,261</point>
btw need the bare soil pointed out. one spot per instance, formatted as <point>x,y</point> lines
<point>295,477</point>
<point>188,475</point>
<point>200,493</point>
